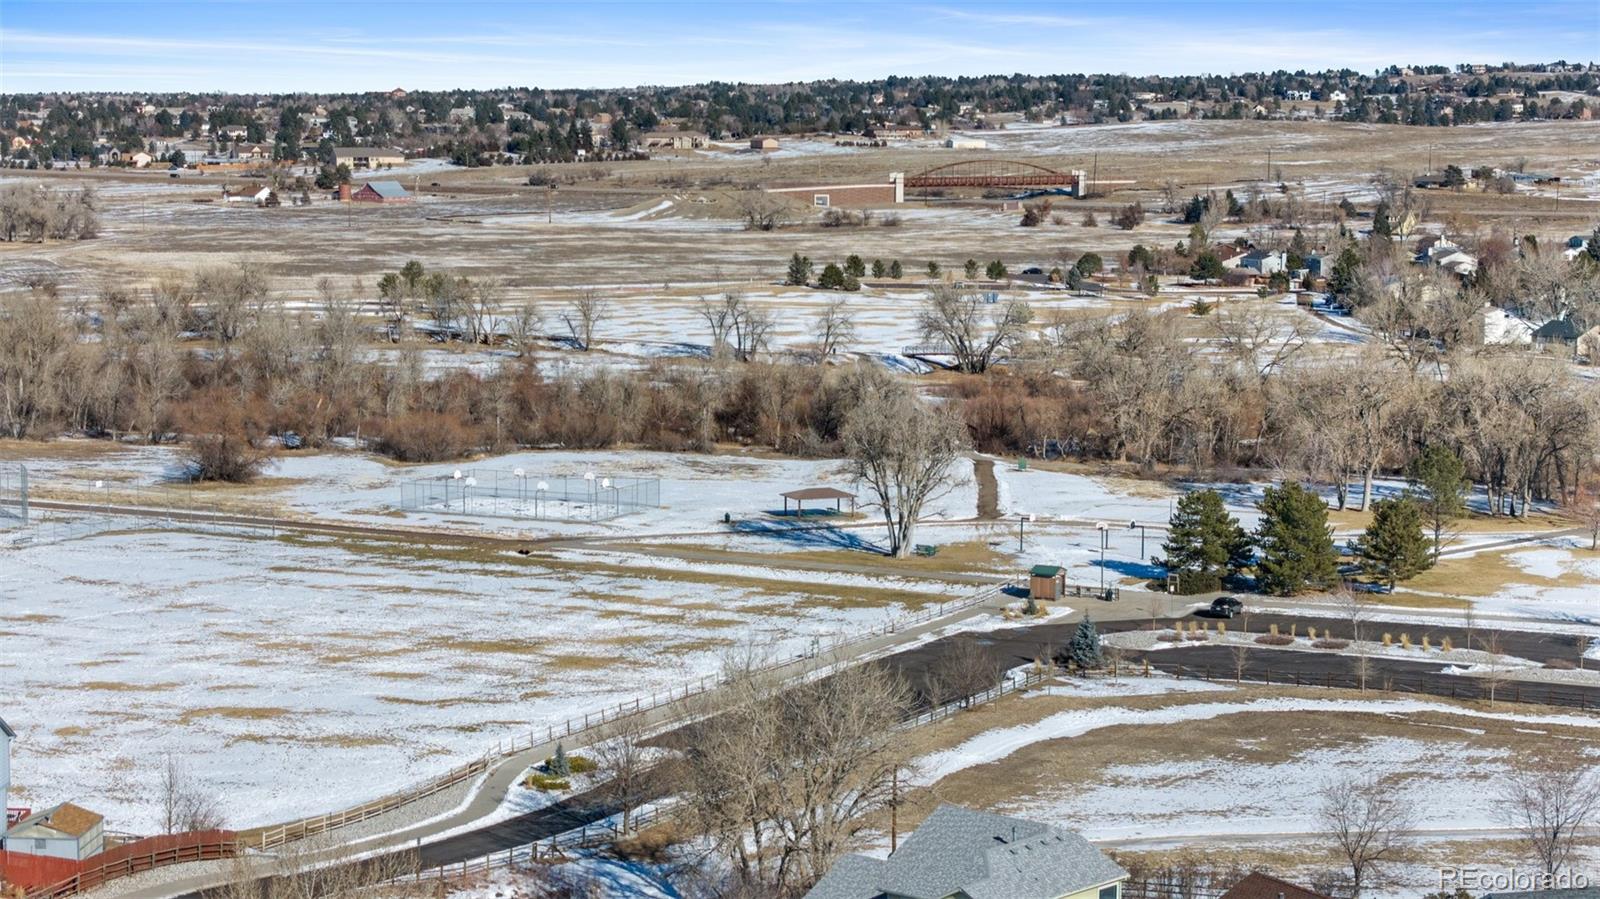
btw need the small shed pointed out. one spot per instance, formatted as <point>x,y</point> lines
<point>763,143</point>
<point>1047,582</point>
<point>66,831</point>
<point>817,494</point>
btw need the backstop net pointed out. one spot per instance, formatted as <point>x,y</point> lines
<point>13,495</point>
<point>515,494</point>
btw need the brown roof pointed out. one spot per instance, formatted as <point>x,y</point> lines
<point>72,820</point>
<point>818,493</point>
<point>1265,886</point>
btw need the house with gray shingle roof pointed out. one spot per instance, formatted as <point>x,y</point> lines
<point>965,854</point>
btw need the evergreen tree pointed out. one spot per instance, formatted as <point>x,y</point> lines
<point>971,268</point>
<point>1343,278</point>
<point>854,267</point>
<point>879,269</point>
<point>799,270</point>
<point>832,277</point>
<point>995,270</point>
<point>1207,267</point>
<point>1204,543</point>
<point>1084,648</point>
<point>1394,548</point>
<point>559,766</point>
<point>1438,484</point>
<point>933,269</point>
<point>1592,251</point>
<point>1089,263</point>
<point>1296,544</point>
<point>895,271</point>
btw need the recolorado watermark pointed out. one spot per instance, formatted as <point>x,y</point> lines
<point>1511,879</point>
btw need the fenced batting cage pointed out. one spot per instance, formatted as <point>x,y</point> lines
<point>13,495</point>
<point>519,494</point>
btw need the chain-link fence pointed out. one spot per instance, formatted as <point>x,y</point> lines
<point>13,495</point>
<point>519,494</point>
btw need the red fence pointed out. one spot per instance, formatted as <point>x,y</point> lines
<point>33,871</point>
<point>141,855</point>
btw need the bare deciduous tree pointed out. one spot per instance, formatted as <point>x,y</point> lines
<point>834,328</point>
<point>971,329</point>
<point>527,327</point>
<point>185,806</point>
<point>1548,804</point>
<point>1369,825</point>
<point>783,779</point>
<point>624,762</point>
<point>902,449</point>
<point>963,672</point>
<point>583,315</point>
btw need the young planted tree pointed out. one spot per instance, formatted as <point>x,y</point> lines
<point>799,274</point>
<point>970,268</point>
<point>902,449</point>
<point>995,270</point>
<point>1438,484</point>
<point>854,266</point>
<point>1394,547</point>
<point>934,271</point>
<point>895,270</point>
<point>879,269</point>
<point>1204,543</point>
<point>1296,544</point>
<point>1084,650</point>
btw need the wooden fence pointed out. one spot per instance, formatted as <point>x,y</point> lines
<point>143,855</point>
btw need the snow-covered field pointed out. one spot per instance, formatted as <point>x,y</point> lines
<point>302,675</point>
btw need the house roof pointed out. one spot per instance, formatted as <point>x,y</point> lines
<point>818,493</point>
<point>977,855</point>
<point>1556,329</point>
<point>1264,886</point>
<point>6,729</point>
<point>389,190</point>
<point>66,819</point>
<point>1045,570</point>
<point>353,152</point>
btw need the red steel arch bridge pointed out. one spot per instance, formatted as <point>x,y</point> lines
<point>993,173</point>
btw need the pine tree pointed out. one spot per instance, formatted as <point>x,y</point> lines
<point>559,766</point>
<point>971,268</point>
<point>1394,548</point>
<point>832,277</point>
<point>895,271</point>
<point>799,270</point>
<point>1204,543</point>
<point>854,267</point>
<point>933,269</point>
<point>1084,649</point>
<point>1438,485</point>
<point>879,269</point>
<point>1295,541</point>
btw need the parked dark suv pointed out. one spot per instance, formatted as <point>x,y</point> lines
<point>1226,606</point>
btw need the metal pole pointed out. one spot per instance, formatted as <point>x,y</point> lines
<point>1022,522</point>
<point>1102,562</point>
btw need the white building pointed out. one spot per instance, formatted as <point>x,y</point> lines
<point>6,736</point>
<point>66,831</point>
<point>1501,328</point>
<point>965,143</point>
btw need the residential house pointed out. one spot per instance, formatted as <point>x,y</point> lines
<point>255,193</point>
<point>461,115</point>
<point>673,140</point>
<point>1576,244</point>
<point>1263,262</point>
<point>1501,328</point>
<point>381,192</point>
<point>66,831</point>
<point>1230,255</point>
<point>1337,97</point>
<point>962,853</point>
<point>1556,330</point>
<point>141,159</point>
<point>368,157</point>
<point>1264,886</point>
<point>1298,96</point>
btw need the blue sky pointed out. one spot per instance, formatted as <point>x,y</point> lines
<point>354,45</point>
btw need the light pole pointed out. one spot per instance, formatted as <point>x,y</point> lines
<point>1131,526</point>
<point>469,482</point>
<point>589,476</point>
<point>538,492</point>
<point>1022,523</point>
<point>1104,529</point>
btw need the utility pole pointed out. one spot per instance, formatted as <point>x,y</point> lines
<point>1094,174</point>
